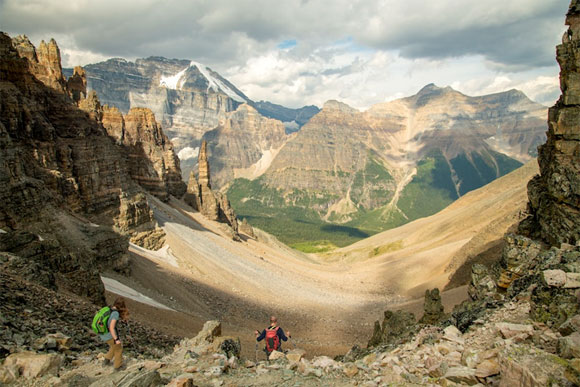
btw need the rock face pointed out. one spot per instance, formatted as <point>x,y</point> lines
<point>65,187</point>
<point>152,160</point>
<point>244,145</point>
<point>554,195</point>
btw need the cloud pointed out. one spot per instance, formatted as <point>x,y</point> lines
<point>298,52</point>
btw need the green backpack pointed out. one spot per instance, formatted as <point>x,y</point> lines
<point>101,321</point>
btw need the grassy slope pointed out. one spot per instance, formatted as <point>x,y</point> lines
<point>292,219</point>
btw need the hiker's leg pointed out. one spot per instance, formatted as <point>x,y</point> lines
<point>118,350</point>
<point>110,354</point>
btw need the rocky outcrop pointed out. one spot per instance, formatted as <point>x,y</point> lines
<point>44,62</point>
<point>76,85</point>
<point>433,308</point>
<point>200,196</point>
<point>62,177</point>
<point>209,203</point>
<point>554,195</point>
<point>152,160</point>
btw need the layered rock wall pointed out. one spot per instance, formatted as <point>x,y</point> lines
<point>554,195</point>
<point>63,181</point>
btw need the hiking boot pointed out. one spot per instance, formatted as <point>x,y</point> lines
<point>121,368</point>
<point>106,362</point>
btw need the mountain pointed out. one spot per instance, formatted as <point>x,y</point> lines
<point>187,97</point>
<point>293,119</point>
<point>348,174</point>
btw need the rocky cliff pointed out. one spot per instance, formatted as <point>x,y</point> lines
<point>243,145</point>
<point>554,195</point>
<point>68,203</point>
<point>153,163</point>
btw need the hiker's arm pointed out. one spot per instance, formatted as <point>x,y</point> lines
<point>113,330</point>
<point>282,335</point>
<point>261,336</point>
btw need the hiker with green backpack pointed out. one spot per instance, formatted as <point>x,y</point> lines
<point>274,336</point>
<point>105,325</point>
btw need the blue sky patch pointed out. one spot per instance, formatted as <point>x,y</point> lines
<point>286,44</point>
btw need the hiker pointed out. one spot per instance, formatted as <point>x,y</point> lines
<point>119,311</point>
<point>274,336</point>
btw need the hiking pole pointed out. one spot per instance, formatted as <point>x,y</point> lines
<point>256,352</point>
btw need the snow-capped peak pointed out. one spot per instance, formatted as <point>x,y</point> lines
<point>176,81</point>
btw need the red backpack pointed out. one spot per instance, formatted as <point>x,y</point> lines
<point>272,339</point>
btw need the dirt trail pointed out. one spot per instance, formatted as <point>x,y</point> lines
<point>328,302</point>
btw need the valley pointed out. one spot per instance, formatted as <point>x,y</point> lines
<point>328,301</point>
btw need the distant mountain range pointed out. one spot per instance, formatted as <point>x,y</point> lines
<point>336,173</point>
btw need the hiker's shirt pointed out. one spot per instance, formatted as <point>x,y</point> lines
<point>279,332</point>
<point>109,336</point>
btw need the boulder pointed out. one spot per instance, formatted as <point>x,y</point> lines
<point>554,278</point>
<point>487,368</point>
<point>350,369</point>
<point>276,355</point>
<point>181,381</point>
<point>295,355</point>
<point>33,365</point>
<point>324,362</point>
<point>569,346</point>
<point>9,374</point>
<point>509,330</point>
<point>451,333</point>
<point>462,375</point>
<point>570,326</point>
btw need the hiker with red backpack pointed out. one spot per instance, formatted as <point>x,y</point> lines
<point>274,336</point>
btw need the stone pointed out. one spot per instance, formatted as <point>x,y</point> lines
<point>181,381</point>
<point>350,370</point>
<point>295,355</point>
<point>369,359</point>
<point>482,284</point>
<point>462,375</point>
<point>451,333</point>
<point>554,278</point>
<point>276,355</point>
<point>569,346</point>
<point>509,330</point>
<point>433,308</point>
<point>570,326</point>
<point>572,372</point>
<point>9,373</point>
<point>130,378</point>
<point>487,368</point>
<point>398,327</point>
<point>247,229</point>
<point>324,362</point>
<point>55,341</point>
<point>33,365</point>
<point>572,281</point>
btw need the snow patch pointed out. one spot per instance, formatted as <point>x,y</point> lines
<point>216,84</point>
<point>116,287</point>
<point>188,153</point>
<point>2,231</point>
<point>40,238</point>
<point>174,81</point>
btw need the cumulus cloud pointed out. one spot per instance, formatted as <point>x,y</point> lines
<point>298,52</point>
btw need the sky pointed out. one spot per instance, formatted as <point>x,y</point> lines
<point>305,52</point>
